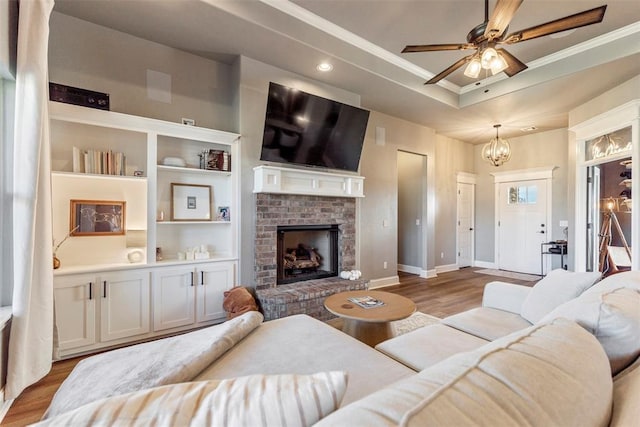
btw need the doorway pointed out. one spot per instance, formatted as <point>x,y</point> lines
<point>412,209</point>
<point>465,234</point>
<point>523,218</point>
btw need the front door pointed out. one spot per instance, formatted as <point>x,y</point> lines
<point>522,225</point>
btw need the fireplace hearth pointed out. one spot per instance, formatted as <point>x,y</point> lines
<point>307,252</point>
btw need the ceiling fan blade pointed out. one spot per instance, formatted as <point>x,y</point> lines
<point>501,17</point>
<point>436,47</point>
<point>514,64</point>
<point>451,69</point>
<point>581,19</point>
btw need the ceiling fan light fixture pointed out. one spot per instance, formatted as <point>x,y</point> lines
<point>487,57</point>
<point>473,68</point>
<point>497,151</point>
<point>498,64</point>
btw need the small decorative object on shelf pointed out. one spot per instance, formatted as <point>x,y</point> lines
<point>56,260</point>
<point>223,213</point>
<point>159,256</point>
<point>218,160</point>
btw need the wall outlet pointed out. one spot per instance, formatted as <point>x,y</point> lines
<point>564,223</point>
<point>441,255</point>
<point>417,222</point>
<point>385,222</point>
<point>384,265</point>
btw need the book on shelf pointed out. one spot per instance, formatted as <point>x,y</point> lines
<point>98,162</point>
<point>367,302</point>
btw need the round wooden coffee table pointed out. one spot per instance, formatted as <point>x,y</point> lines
<point>369,325</point>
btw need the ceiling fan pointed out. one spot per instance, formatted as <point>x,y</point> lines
<point>485,37</point>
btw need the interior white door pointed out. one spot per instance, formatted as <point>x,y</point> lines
<point>522,225</point>
<point>465,231</point>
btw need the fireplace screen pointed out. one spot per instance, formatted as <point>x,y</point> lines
<point>307,252</point>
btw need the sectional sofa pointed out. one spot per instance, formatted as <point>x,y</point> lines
<point>563,352</point>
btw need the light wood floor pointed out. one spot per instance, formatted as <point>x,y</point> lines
<point>442,296</point>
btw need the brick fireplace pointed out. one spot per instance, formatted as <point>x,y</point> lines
<point>274,210</point>
<point>291,199</point>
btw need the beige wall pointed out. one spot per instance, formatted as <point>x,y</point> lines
<point>378,165</point>
<point>452,156</point>
<point>531,151</point>
<point>92,57</point>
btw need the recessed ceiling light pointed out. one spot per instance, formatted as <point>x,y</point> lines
<point>529,129</point>
<point>324,67</point>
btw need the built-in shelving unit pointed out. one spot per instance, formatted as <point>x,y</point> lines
<point>104,297</point>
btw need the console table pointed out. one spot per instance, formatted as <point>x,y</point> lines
<point>552,248</point>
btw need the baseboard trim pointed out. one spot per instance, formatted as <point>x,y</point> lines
<point>446,268</point>
<point>485,264</point>
<point>384,281</point>
<point>429,274</point>
<point>409,269</point>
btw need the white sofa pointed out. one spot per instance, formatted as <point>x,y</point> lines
<point>554,354</point>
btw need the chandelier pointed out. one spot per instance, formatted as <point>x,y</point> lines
<point>497,151</point>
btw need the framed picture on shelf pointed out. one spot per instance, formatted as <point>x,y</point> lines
<point>190,202</point>
<point>97,218</point>
<point>223,213</point>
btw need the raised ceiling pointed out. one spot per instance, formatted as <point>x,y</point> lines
<point>363,40</point>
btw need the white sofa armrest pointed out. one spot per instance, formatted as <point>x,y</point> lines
<point>505,296</point>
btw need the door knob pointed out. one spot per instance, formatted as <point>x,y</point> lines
<point>541,231</point>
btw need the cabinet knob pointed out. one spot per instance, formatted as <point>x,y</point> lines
<point>104,289</point>
<point>191,274</point>
<point>202,278</point>
<point>90,290</point>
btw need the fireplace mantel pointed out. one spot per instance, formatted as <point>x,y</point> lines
<point>272,179</point>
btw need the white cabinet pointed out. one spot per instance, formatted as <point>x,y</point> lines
<point>75,310</point>
<point>185,295</point>
<point>213,280</point>
<point>105,298</point>
<point>173,297</point>
<point>124,304</point>
<point>94,309</point>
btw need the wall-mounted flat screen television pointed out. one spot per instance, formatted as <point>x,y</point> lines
<point>306,129</point>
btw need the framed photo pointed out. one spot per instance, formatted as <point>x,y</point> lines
<point>223,213</point>
<point>97,218</point>
<point>190,202</point>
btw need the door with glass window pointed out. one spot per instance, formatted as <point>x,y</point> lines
<point>522,225</point>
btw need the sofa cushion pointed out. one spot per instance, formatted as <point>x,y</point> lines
<point>256,400</point>
<point>429,345</point>
<point>487,323</point>
<point>626,397</point>
<point>613,317</point>
<point>627,279</point>
<point>553,374</point>
<point>301,344</point>
<point>558,287</point>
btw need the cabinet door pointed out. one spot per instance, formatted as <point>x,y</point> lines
<point>173,297</point>
<point>213,280</point>
<point>75,310</point>
<point>124,304</point>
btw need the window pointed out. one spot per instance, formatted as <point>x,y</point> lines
<point>523,195</point>
<point>7,89</point>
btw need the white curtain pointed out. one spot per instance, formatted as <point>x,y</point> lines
<point>31,338</point>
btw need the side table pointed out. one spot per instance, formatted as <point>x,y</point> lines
<point>369,325</point>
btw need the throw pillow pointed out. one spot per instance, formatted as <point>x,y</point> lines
<point>613,317</point>
<point>558,287</point>
<point>553,374</point>
<point>256,400</point>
